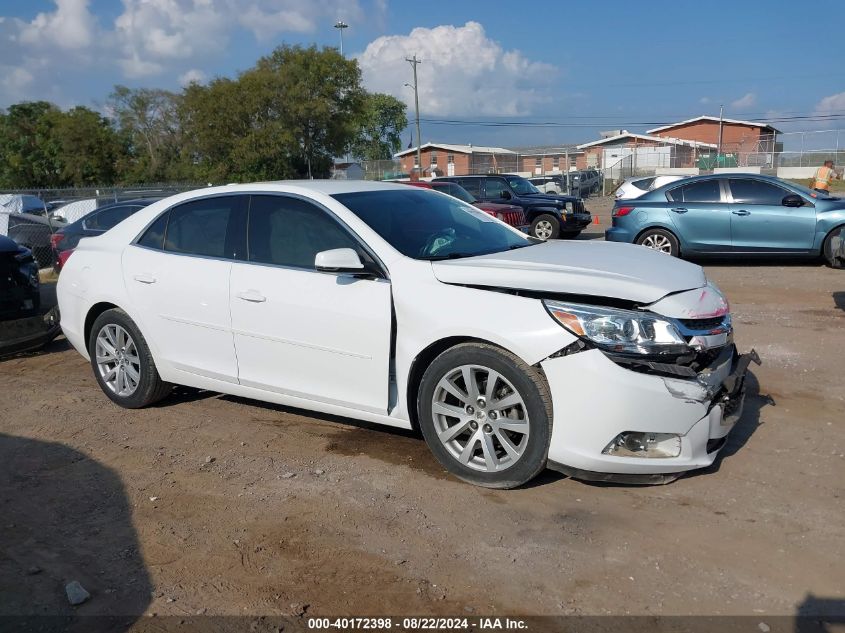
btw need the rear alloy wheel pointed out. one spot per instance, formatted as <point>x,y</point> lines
<point>486,415</point>
<point>545,227</point>
<point>660,240</point>
<point>122,363</point>
<point>833,250</point>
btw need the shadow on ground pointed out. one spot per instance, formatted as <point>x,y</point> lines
<point>65,517</point>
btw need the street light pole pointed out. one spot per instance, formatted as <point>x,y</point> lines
<point>414,62</point>
<point>340,25</point>
<point>719,146</point>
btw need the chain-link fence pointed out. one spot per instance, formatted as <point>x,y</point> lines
<point>30,217</point>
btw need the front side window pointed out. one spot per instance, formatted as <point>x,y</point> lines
<point>493,188</point>
<point>750,191</point>
<point>202,227</point>
<point>290,232</point>
<point>422,225</point>
<point>706,191</point>
<point>521,186</point>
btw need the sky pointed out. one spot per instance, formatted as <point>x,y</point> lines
<point>492,73</point>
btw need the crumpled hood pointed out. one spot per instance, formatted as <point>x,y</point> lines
<point>599,269</point>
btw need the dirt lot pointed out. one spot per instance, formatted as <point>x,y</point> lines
<point>212,504</point>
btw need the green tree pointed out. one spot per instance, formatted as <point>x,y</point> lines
<point>87,147</point>
<point>284,118</point>
<point>28,151</point>
<point>382,121</point>
<point>149,125</point>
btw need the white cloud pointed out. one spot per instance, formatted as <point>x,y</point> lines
<point>193,76</point>
<point>746,101</point>
<point>462,72</point>
<point>71,26</point>
<point>833,104</point>
<point>704,100</point>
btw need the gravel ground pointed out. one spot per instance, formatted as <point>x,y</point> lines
<point>218,505</point>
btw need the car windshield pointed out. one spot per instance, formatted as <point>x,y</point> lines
<point>521,186</point>
<point>422,225</point>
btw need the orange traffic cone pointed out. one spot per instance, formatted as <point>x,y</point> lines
<point>596,219</point>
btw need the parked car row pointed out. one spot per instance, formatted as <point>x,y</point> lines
<point>549,215</point>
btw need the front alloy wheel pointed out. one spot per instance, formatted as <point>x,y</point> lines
<point>117,360</point>
<point>480,418</point>
<point>486,415</point>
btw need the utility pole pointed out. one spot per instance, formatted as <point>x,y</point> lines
<point>340,25</point>
<point>414,62</point>
<point>719,145</point>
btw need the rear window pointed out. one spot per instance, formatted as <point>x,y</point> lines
<point>705,191</point>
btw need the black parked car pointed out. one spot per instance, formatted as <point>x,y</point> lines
<point>550,215</point>
<point>21,325</point>
<point>33,232</point>
<point>95,223</point>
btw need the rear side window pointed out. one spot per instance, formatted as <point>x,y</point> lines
<point>473,185</point>
<point>290,232</point>
<point>206,227</point>
<point>153,237</point>
<point>104,220</point>
<point>707,191</point>
<point>493,187</point>
<point>756,192</point>
<point>643,184</point>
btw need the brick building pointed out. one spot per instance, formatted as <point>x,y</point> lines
<point>544,160</point>
<point>643,151</point>
<point>737,136</point>
<point>458,160</point>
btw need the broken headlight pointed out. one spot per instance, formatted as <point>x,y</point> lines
<point>615,330</point>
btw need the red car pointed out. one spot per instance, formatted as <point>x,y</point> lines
<point>507,213</point>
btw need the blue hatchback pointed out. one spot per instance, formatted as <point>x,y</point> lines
<point>734,214</point>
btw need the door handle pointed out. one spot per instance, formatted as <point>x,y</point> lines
<point>145,278</point>
<point>679,210</point>
<point>741,212</point>
<point>253,296</point>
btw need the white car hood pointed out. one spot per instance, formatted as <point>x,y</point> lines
<point>599,269</point>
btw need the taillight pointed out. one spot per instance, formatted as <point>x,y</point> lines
<point>55,239</point>
<point>619,212</point>
<point>63,257</point>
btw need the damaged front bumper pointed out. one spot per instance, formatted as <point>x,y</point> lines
<point>23,335</point>
<point>700,410</point>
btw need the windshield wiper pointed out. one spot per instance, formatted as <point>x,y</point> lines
<point>435,258</point>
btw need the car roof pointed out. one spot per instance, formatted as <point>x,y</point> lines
<point>328,187</point>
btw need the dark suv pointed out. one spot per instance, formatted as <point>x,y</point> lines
<point>549,215</point>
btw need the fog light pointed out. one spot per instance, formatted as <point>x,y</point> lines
<point>636,444</point>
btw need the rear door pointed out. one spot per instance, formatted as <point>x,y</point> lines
<point>760,222</point>
<point>177,275</point>
<point>701,216</point>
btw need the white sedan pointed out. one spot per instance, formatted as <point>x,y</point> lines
<point>410,308</point>
<point>638,185</point>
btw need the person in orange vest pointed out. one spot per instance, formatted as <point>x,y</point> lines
<point>824,176</point>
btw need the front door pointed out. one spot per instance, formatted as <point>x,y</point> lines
<point>315,335</point>
<point>702,216</point>
<point>177,276</point>
<point>761,223</point>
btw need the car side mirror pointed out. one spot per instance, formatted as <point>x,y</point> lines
<point>338,260</point>
<point>792,200</point>
<point>506,195</point>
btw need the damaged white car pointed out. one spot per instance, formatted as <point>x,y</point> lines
<point>407,307</point>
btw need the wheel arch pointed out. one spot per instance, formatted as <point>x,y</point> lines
<point>426,356</point>
<point>828,233</point>
<point>662,227</point>
<point>93,312</point>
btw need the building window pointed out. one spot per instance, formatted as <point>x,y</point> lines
<point>538,162</point>
<point>434,158</point>
<point>450,159</point>
<point>556,162</point>
<point>572,161</point>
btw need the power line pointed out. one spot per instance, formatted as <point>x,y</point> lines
<point>565,124</point>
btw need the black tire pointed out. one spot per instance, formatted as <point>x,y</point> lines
<point>530,385</point>
<point>150,388</point>
<point>827,249</point>
<point>570,234</point>
<point>547,225</point>
<point>659,236</point>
